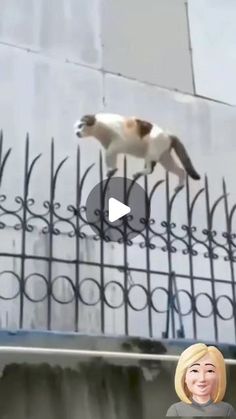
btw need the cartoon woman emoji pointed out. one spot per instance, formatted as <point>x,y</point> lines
<point>200,383</point>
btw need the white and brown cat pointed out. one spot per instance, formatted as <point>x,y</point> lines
<point>130,135</point>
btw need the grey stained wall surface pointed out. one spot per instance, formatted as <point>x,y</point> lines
<point>30,392</point>
<point>92,390</point>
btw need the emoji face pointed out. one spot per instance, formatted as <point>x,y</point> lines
<point>201,379</point>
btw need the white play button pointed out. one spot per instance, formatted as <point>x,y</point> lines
<point>112,199</point>
<point>116,210</point>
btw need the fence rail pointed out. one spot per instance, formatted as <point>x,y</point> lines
<point>158,237</point>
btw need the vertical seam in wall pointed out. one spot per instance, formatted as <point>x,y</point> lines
<point>190,47</point>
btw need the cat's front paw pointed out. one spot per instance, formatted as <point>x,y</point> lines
<point>111,172</point>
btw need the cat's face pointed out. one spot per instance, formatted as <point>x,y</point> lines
<point>85,126</point>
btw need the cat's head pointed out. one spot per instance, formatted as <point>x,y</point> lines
<point>85,126</point>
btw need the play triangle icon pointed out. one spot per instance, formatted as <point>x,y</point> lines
<point>116,210</point>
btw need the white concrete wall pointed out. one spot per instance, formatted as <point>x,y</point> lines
<point>60,59</point>
<point>213,35</point>
<point>148,42</point>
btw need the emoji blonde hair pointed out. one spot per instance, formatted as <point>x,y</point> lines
<point>191,355</point>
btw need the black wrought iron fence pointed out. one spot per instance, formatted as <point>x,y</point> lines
<point>171,239</point>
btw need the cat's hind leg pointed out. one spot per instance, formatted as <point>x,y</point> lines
<point>168,162</point>
<point>148,168</point>
<point>157,147</point>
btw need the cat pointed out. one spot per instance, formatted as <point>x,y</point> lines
<point>131,135</point>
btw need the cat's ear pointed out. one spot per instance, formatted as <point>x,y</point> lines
<point>89,120</point>
<point>143,127</point>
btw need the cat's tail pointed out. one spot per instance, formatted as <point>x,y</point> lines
<point>184,157</point>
